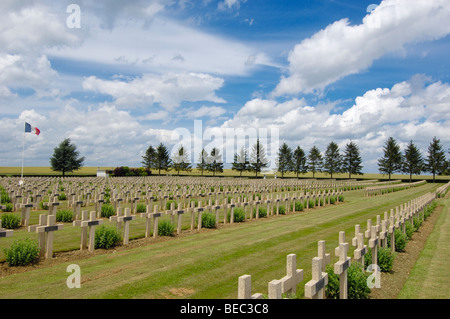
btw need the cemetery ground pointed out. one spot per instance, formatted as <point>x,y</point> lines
<point>207,263</point>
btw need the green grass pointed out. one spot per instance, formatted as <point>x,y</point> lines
<point>205,264</point>
<point>429,278</point>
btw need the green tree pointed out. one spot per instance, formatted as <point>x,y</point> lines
<point>162,158</point>
<point>65,158</point>
<point>240,162</point>
<point>299,161</point>
<point>181,160</point>
<point>315,160</point>
<point>351,162</point>
<point>258,159</point>
<point>333,159</point>
<point>392,159</point>
<point>412,161</point>
<point>149,158</point>
<point>202,161</point>
<point>284,160</point>
<point>435,162</point>
<point>215,163</point>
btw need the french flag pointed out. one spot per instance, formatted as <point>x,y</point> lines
<point>31,129</point>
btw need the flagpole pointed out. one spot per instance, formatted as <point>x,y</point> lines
<point>23,150</point>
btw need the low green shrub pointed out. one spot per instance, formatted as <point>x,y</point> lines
<point>409,229</point>
<point>169,203</point>
<point>141,208</point>
<point>262,212</point>
<point>64,216</point>
<point>332,200</point>
<point>311,203</point>
<point>8,207</point>
<point>166,228</point>
<point>238,214</point>
<point>107,237</point>
<point>385,259</point>
<point>400,240</point>
<point>417,222</point>
<point>107,211</point>
<point>298,206</point>
<point>10,221</point>
<point>22,252</point>
<point>341,198</point>
<point>43,206</point>
<point>62,196</point>
<point>281,210</point>
<point>356,280</point>
<point>208,220</point>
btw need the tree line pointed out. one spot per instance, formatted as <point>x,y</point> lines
<point>66,159</point>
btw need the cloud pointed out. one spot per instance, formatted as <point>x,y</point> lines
<point>416,109</point>
<point>229,4</point>
<point>169,90</point>
<point>342,49</point>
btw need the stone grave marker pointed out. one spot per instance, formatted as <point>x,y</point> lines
<point>47,230</point>
<point>314,287</point>
<point>293,276</point>
<point>340,267</point>
<point>245,288</point>
<point>91,224</point>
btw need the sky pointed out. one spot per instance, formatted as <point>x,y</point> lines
<point>118,76</point>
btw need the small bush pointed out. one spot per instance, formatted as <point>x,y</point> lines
<point>169,202</point>
<point>385,259</point>
<point>262,212</point>
<point>400,240</point>
<point>298,206</point>
<point>166,228</point>
<point>107,211</point>
<point>356,280</point>
<point>311,203</point>
<point>43,206</point>
<point>417,221</point>
<point>409,229</point>
<point>281,210</point>
<point>8,207</point>
<point>62,196</point>
<point>141,208</point>
<point>239,215</point>
<point>64,216</point>
<point>107,237</point>
<point>22,252</point>
<point>341,198</point>
<point>208,220</point>
<point>10,221</point>
<point>332,200</point>
<point>4,197</point>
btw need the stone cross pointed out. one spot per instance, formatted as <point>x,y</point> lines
<point>147,217</point>
<point>91,223</point>
<point>26,214</point>
<point>179,213</point>
<point>373,244</point>
<point>5,232</point>
<point>126,224</point>
<point>361,249</point>
<point>293,276</point>
<point>245,288</point>
<point>391,231</point>
<point>231,206</point>
<point>84,234</point>
<point>383,234</point>
<point>314,287</point>
<point>156,217</point>
<point>340,267</point>
<point>274,289</point>
<point>199,209</point>
<point>47,230</point>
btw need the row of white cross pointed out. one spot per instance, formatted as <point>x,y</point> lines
<point>315,288</point>
<point>378,190</point>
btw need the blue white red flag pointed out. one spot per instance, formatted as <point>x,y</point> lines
<point>31,129</point>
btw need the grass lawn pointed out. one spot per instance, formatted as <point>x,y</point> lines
<point>203,264</point>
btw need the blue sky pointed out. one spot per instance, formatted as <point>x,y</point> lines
<point>137,73</point>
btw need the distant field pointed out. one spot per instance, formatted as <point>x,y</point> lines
<point>226,173</point>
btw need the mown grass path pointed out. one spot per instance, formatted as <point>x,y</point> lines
<point>207,264</point>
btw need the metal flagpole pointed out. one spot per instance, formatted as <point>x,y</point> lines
<point>23,150</point>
